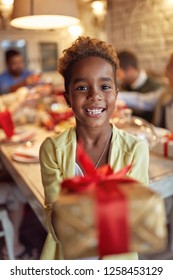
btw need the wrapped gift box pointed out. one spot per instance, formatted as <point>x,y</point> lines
<point>108,214</point>
<point>164,146</point>
<point>77,224</point>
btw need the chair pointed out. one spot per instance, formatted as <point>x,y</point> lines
<point>7,232</point>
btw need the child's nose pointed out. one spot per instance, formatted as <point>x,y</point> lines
<point>94,94</point>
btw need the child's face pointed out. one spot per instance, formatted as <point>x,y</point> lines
<point>92,91</point>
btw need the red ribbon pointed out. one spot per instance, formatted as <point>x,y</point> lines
<point>169,137</point>
<point>111,203</point>
<point>6,123</point>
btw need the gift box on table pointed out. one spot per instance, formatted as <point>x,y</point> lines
<point>105,213</point>
<point>164,146</point>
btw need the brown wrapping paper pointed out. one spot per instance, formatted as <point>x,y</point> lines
<point>75,223</point>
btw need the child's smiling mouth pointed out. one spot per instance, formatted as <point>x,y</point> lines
<point>94,111</point>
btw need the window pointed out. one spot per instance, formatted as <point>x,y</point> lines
<point>49,56</point>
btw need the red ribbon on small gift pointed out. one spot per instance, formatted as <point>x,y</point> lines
<point>111,203</point>
<point>6,123</point>
<point>169,137</point>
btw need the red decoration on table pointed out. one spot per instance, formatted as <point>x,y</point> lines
<point>59,117</point>
<point>169,137</point>
<point>111,203</point>
<point>6,123</point>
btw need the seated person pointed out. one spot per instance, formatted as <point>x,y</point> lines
<point>164,110</point>
<point>135,80</point>
<point>12,199</point>
<point>10,196</point>
<point>143,105</point>
<point>16,75</point>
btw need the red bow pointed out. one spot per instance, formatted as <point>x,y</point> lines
<point>111,203</point>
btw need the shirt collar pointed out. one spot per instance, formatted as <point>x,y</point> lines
<point>140,80</point>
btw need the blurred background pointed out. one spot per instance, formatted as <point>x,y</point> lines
<point>144,26</point>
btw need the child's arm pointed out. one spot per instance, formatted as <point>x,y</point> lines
<point>140,163</point>
<point>51,178</point>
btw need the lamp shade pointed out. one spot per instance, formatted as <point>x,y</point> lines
<point>44,14</point>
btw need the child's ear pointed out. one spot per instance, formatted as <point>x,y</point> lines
<point>117,91</point>
<point>66,96</point>
<point>116,94</point>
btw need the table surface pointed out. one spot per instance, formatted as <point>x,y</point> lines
<point>28,177</point>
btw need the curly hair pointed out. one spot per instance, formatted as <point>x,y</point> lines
<point>85,47</point>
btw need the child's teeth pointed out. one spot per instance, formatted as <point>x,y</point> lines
<point>94,111</point>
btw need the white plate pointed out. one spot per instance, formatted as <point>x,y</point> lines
<point>19,136</point>
<point>24,159</point>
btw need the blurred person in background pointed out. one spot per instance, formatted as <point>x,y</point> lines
<point>10,195</point>
<point>137,89</point>
<point>164,109</point>
<point>12,199</point>
<point>133,78</point>
<point>16,75</point>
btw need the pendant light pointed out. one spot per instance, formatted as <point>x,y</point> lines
<point>44,14</point>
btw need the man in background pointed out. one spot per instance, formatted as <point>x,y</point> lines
<point>133,78</point>
<point>16,75</point>
<point>137,89</point>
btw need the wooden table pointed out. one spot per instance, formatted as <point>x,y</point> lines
<point>28,178</point>
<point>27,175</point>
<point>161,175</point>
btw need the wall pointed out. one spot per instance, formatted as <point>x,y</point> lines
<point>95,27</point>
<point>144,26</point>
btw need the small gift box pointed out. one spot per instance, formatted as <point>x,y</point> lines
<point>105,213</point>
<point>164,147</point>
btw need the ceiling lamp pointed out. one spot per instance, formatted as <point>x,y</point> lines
<point>6,7</point>
<point>44,14</point>
<point>6,3</point>
<point>99,7</point>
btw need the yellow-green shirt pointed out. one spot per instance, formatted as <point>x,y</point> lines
<point>58,157</point>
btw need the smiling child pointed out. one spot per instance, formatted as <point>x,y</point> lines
<point>89,69</point>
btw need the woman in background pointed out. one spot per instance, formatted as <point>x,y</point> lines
<point>164,109</point>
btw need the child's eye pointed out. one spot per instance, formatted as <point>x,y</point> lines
<point>105,87</point>
<point>81,88</point>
